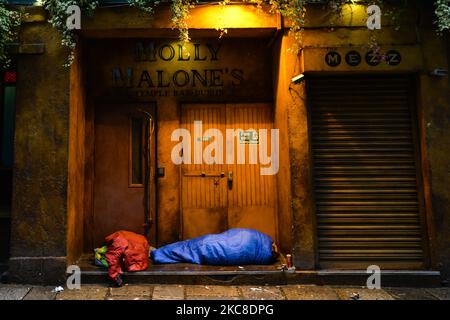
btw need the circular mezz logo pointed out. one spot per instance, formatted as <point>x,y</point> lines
<point>353,58</point>
<point>393,58</point>
<point>373,59</point>
<point>333,59</point>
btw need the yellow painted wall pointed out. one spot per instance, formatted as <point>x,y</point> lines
<point>42,164</point>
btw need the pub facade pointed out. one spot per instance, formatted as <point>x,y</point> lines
<point>341,156</point>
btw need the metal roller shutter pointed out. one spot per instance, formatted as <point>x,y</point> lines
<point>366,180</point>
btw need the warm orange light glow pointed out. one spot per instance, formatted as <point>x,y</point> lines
<point>230,16</point>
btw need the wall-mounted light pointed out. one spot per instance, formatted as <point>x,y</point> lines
<point>298,79</point>
<point>439,72</point>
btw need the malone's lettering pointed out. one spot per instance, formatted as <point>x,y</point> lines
<point>122,79</point>
<point>152,52</point>
<point>161,83</point>
<point>179,78</point>
<point>216,78</point>
<point>145,77</point>
<point>158,75</point>
<point>198,77</point>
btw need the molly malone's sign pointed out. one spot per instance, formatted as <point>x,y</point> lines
<point>178,70</point>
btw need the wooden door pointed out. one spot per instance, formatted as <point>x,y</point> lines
<point>120,170</point>
<point>252,196</point>
<point>220,196</point>
<point>204,189</point>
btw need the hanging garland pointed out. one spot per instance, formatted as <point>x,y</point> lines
<point>180,14</point>
<point>58,18</point>
<point>10,21</point>
<point>143,5</point>
<point>443,15</point>
<point>292,10</point>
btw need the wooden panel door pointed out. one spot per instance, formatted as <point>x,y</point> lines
<point>119,175</point>
<point>252,196</point>
<point>204,193</point>
<point>219,196</point>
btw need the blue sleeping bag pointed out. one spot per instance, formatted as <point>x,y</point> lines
<point>232,247</point>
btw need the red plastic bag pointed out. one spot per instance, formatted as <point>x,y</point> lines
<point>127,251</point>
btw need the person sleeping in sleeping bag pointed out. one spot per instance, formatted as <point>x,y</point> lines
<point>126,251</point>
<point>232,247</point>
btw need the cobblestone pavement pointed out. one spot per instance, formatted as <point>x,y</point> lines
<point>202,292</point>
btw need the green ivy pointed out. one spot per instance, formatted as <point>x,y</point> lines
<point>443,15</point>
<point>143,5</point>
<point>10,21</point>
<point>293,10</point>
<point>180,13</point>
<point>58,18</point>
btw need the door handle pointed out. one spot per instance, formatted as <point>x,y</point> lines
<point>230,180</point>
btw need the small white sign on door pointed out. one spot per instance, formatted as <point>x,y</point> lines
<point>249,137</point>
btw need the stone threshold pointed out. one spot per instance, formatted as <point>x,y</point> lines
<point>393,278</point>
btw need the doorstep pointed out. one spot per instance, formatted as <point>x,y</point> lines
<point>184,273</point>
<point>255,275</point>
<point>389,278</point>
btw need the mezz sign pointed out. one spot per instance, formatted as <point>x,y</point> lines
<point>372,58</point>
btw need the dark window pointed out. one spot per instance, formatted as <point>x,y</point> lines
<point>7,119</point>
<point>8,114</point>
<point>136,152</point>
